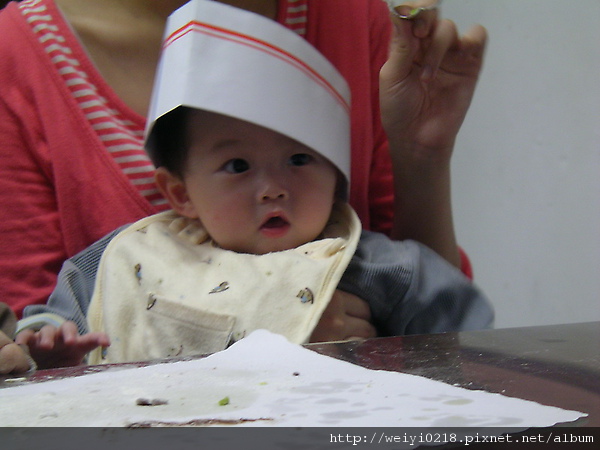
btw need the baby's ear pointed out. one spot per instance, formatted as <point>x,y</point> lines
<point>174,190</point>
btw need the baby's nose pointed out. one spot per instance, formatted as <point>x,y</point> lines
<point>273,189</point>
<point>274,194</point>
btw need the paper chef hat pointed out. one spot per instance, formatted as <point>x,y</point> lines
<point>226,60</point>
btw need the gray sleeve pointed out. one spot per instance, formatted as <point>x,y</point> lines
<point>412,290</point>
<point>74,288</point>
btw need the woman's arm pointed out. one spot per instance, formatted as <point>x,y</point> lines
<point>426,87</point>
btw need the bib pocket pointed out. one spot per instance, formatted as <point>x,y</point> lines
<point>179,330</point>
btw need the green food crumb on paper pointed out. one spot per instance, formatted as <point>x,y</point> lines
<point>224,401</point>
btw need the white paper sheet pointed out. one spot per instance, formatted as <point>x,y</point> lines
<point>266,381</point>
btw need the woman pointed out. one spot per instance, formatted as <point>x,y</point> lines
<point>75,82</point>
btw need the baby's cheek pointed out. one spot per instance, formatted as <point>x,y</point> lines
<point>223,223</point>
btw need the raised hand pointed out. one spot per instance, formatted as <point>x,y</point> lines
<point>428,82</point>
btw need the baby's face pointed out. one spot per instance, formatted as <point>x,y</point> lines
<point>253,189</point>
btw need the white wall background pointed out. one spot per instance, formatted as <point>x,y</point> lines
<point>526,168</point>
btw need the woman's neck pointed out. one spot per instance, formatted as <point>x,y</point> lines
<point>123,39</point>
<point>267,8</point>
<point>135,8</point>
<point>161,8</point>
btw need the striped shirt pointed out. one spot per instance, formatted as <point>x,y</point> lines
<point>293,15</point>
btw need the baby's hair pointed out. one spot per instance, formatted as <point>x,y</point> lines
<point>170,140</point>
<point>171,146</point>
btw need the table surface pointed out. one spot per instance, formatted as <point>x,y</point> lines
<point>557,365</point>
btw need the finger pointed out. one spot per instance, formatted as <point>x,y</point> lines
<point>358,328</point>
<point>474,42</point>
<point>424,20</point>
<point>69,332</point>
<point>94,340</point>
<point>444,38</point>
<point>425,24</point>
<point>25,337</point>
<point>46,336</point>
<point>355,306</point>
<point>402,51</point>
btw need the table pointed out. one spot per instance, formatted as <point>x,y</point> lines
<point>557,365</point>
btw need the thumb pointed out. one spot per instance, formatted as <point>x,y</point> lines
<point>402,51</point>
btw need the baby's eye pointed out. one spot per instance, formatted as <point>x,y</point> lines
<point>300,159</point>
<point>237,165</point>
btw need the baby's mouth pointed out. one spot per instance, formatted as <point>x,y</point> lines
<point>275,227</point>
<point>275,222</point>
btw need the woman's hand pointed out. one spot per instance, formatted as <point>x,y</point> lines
<point>13,358</point>
<point>427,84</point>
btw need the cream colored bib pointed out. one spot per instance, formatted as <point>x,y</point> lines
<point>164,289</point>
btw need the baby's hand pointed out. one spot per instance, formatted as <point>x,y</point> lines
<point>346,317</point>
<point>13,358</point>
<point>53,347</point>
